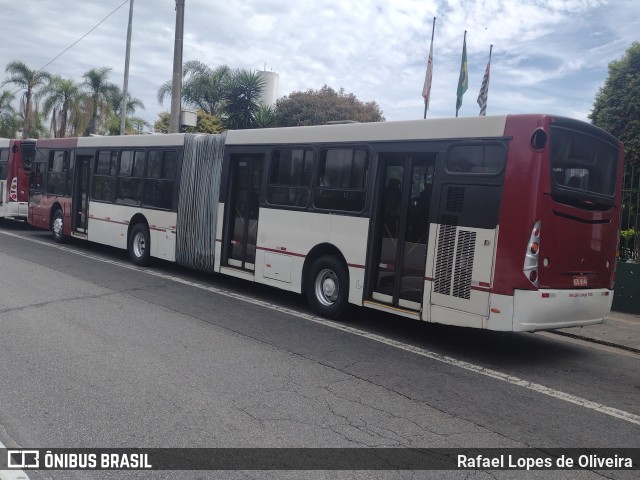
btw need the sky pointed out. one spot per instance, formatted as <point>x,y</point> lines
<point>549,56</point>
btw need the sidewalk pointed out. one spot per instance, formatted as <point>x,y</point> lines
<point>619,329</point>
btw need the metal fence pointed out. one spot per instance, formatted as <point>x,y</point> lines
<point>630,221</point>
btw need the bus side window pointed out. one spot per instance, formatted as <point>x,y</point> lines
<point>129,184</point>
<point>290,173</point>
<point>160,178</point>
<point>4,163</point>
<point>342,179</point>
<point>484,159</point>
<point>57,172</point>
<point>35,178</point>
<point>104,176</point>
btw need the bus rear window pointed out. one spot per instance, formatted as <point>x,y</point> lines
<point>583,167</point>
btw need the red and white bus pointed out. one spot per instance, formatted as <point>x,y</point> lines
<point>505,223</point>
<point>15,163</point>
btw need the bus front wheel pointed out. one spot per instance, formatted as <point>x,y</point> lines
<point>328,287</point>
<point>139,245</point>
<point>57,227</point>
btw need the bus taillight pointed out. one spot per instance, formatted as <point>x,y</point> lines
<point>13,191</point>
<point>530,268</point>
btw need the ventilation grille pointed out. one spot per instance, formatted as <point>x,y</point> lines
<point>455,199</point>
<point>464,264</point>
<point>444,259</point>
<point>454,261</point>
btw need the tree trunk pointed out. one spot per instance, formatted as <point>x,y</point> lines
<point>27,126</point>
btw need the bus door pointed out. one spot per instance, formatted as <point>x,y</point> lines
<point>401,229</point>
<point>80,203</point>
<point>243,208</point>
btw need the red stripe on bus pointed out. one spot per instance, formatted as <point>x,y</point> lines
<point>108,220</point>
<point>293,254</point>
<point>283,252</point>
<point>480,289</point>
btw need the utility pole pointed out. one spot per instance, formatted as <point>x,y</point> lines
<point>176,83</point>
<point>123,113</point>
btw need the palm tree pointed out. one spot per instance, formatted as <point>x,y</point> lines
<point>203,87</point>
<point>115,100</point>
<point>29,80</point>
<point>115,107</point>
<point>6,109</point>
<point>265,116</point>
<point>63,99</point>
<point>8,118</point>
<point>138,125</point>
<point>101,91</point>
<point>242,99</point>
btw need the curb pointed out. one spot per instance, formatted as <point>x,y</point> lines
<point>596,340</point>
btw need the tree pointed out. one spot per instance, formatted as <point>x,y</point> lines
<point>100,92</point>
<point>617,110</point>
<point>206,123</point>
<point>617,105</point>
<point>317,107</point>
<point>9,121</point>
<point>265,116</point>
<point>202,88</point>
<point>242,99</point>
<point>29,80</point>
<point>63,100</point>
<point>115,108</point>
<point>231,95</point>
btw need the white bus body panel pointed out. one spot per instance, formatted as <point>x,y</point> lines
<point>283,246</point>
<point>453,307</point>
<point>109,224</point>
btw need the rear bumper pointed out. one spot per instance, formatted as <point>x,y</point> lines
<point>14,209</point>
<point>549,309</point>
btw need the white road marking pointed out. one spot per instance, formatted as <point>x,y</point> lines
<point>536,387</point>
<point>12,474</point>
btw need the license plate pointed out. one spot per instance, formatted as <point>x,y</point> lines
<point>580,281</point>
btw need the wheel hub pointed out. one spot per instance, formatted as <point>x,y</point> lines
<point>329,287</point>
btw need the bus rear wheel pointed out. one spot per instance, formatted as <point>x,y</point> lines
<point>328,287</point>
<point>139,245</point>
<point>57,227</point>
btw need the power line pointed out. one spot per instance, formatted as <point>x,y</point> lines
<point>82,37</point>
<point>77,41</point>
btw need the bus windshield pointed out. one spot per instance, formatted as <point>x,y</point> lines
<point>583,168</point>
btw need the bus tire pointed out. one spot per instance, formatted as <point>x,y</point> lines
<point>57,226</point>
<point>328,287</point>
<point>139,245</point>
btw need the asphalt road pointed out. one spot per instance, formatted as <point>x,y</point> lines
<point>95,352</point>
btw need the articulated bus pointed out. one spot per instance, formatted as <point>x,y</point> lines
<point>505,223</point>
<point>15,163</point>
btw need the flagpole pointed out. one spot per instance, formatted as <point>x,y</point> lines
<point>429,70</point>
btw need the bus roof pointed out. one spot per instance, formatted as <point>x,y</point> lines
<point>154,140</point>
<point>4,142</point>
<point>441,128</point>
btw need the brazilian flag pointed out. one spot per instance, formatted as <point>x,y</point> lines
<point>463,81</point>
